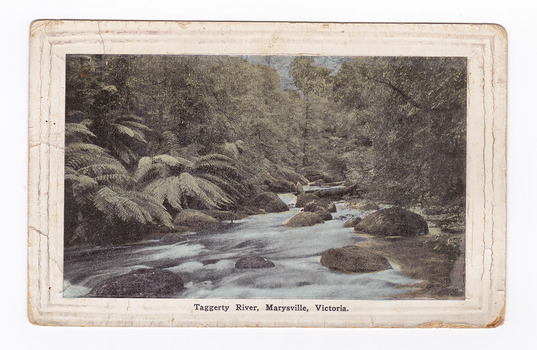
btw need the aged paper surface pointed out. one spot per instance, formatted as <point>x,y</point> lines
<point>96,85</point>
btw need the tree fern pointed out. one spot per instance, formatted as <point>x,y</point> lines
<point>181,183</point>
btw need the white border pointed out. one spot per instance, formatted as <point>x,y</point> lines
<point>485,48</point>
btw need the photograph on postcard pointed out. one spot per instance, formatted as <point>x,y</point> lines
<point>264,176</point>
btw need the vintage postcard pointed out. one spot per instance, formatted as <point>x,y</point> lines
<point>267,174</point>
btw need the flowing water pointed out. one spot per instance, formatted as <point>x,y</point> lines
<point>206,261</point>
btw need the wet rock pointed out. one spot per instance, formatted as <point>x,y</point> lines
<point>279,185</point>
<point>352,222</point>
<point>194,219</point>
<point>304,219</point>
<point>332,207</point>
<point>394,221</point>
<point>354,259</point>
<point>253,262</point>
<point>337,193</point>
<point>363,206</point>
<point>325,215</point>
<point>172,238</point>
<point>299,187</point>
<point>315,206</point>
<point>142,283</point>
<point>223,214</point>
<point>305,198</point>
<point>269,202</point>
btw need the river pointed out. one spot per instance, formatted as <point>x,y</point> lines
<point>206,261</point>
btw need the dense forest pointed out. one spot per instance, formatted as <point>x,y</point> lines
<point>150,136</point>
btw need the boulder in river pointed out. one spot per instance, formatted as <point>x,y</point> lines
<point>279,185</point>
<point>141,283</point>
<point>337,193</point>
<point>362,206</point>
<point>315,206</point>
<point>253,262</point>
<point>332,207</point>
<point>354,259</point>
<point>393,221</point>
<point>304,219</point>
<point>325,215</point>
<point>305,198</point>
<point>223,214</point>
<point>352,222</point>
<point>194,219</point>
<point>269,202</point>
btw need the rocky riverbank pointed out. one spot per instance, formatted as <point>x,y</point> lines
<point>302,245</point>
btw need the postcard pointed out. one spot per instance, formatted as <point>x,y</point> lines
<point>232,174</point>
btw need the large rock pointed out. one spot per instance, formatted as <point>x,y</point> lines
<point>394,221</point>
<point>315,207</point>
<point>223,214</point>
<point>279,185</point>
<point>142,283</point>
<point>352,222</point>
<point>194,219</point>
<point>325,215</point>
<point>305,198</point>
<point>362,206</point>
<point>321,207</point>
<point>269,202</point>
<point>354,259</point>
<point>337,193</point>
<point>304,219</point>
<point>332,207</point>
<point>253,262</point>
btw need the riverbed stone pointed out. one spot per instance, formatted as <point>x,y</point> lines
<point>253,262</point>
<point>304,219</point>
<point>362,206</point>
<point>195,219</point>
<point>315,206</point>
<point>354,259</point>
<point>305,198</point>
<point>352,222</point>
<point>269,202</point>
<point>223,214</point>
<point>279,185</point>
<point>325,215</point>
<point>332,207</point>
<point>141,283</point>
<point>393,221</point>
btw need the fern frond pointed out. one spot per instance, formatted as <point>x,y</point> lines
<point>230,187</point>
<point>75,148</point>
<point>190,187</point>
<point>133,133</point>
<point>136,125</point>
<point>216,156</point>
<point>174,162</point>
<point>114,179</point>
<point>214,192</point>
<point>218,167</point>
<point>77,131</point>
<point>100,169</point>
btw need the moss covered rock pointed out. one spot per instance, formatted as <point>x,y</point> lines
<point>141,283</point>
<point>354,259</point>
<point>394,221</point>
<point>304,219</point>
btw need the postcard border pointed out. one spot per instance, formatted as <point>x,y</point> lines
<point>485,46</point>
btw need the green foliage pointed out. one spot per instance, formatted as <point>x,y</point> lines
<point>147,136</point>
<point>180,183</point>
<point>100,192</point>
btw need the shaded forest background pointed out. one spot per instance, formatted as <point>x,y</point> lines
<point>150,136</point>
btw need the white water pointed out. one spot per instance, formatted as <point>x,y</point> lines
<point>206,262</point>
